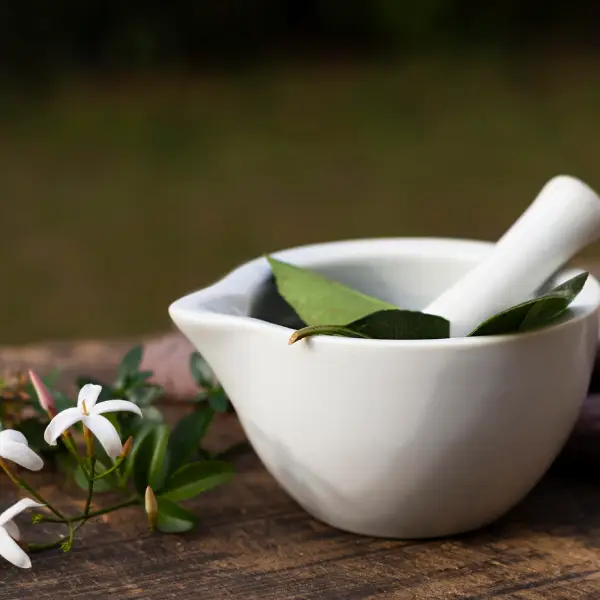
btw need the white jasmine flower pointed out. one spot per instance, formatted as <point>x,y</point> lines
<point>90,414</point>
<point>10,535</point>
<point>14,446</point>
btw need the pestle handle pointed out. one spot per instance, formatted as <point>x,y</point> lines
<point>561,221</point>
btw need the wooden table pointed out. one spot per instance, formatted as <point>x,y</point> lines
<point>254,542</point>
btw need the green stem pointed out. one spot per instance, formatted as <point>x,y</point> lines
<point>109,471</point>
<point>23,484</point>
<point>68,441</point>
<point>39,547</point>
<point>104,511</point>
<point>98,513</point>
<point>88,502</point>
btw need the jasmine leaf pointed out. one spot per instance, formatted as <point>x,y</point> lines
<point>139,378</point>
<point>150,464</point>
<point>101,485</point>
<point>200,370</point>
<point>172,518</point>
<point>218,401</point>
<point>145,395</point>
<point>129,366</point>
<point>384,325</point>
<point>321,301</point>
<point>187,435</point>
<point>141,432</point>
<point>535,313</point>
<point>197,477</point>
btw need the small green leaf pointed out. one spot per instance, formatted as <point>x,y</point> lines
<point>218,401</point>
<point>200,370</point>
<point>385,325</point>
<point>172,518</point>
<point>129,366</point>
<point>150,464</point>
<point>140,377</point>
<point>151,413</point>
<point>106,484</point>
<point>194,478</point>
<point>535,313</point>
<point>52,378</point>
<point>321,301</point>
<point>187,435</point>
<point>145,395</point>
<point>62,402</point>
<point>139,434</point>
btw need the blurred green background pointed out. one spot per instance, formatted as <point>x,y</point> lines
<point>147,148</point>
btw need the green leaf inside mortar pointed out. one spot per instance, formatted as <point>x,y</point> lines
<point>331,308</point>
<point>534,313</point>
<point>321,301</point>
<point>384,325</point>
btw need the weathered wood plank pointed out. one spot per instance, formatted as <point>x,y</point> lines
<point>255,543</point>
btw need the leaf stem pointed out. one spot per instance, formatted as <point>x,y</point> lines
<point>325,330</point>
<point>109,471</point>
<point>98,513</point>
<point>39,547</point>
<point>68,441</point>
<point>88,502</point>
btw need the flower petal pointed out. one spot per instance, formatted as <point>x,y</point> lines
<point>106,433</point>
<point>116,406</point>
<point>12,552</point>
<point>12,435</point>
<point>21,454</point>
<point>13,530</point>
<point>89,392</point>
<point>18,507</point>
<point>61,422</point>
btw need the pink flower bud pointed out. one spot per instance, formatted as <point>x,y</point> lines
<point>44,396</point>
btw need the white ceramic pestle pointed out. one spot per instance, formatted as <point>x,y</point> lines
<point>562,220</point>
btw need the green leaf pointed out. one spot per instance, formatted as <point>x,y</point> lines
<point>151,413</point>
<point>130,365</point>
<point>140,377</point>
<point>172,518</point>
<point>187,435</point>
<point>150,465</point>
<point>200,370</point>
<point>145,395</point>
<point>197,477</point>
<point>385,325</point>
<point>106,484</point>
<point>139,434</point>
<point>535,313</point>
<point>321,301</point>
<point>218,401</point>
<point>62,402</point>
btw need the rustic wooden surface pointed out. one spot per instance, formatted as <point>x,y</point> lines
<point>254,542</point>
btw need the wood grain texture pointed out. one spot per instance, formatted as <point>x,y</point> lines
<point>253,543</point>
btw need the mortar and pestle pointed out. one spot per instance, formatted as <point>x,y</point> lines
<point>412,438</point>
